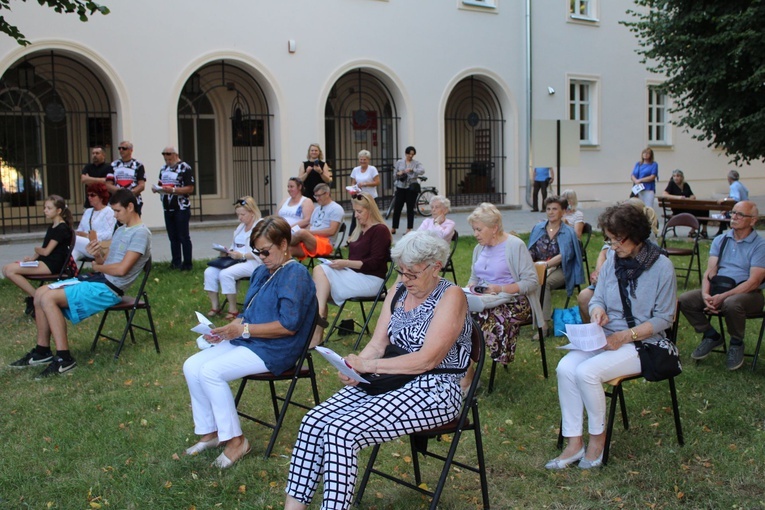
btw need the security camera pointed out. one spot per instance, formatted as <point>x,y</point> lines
<point>550,90</point>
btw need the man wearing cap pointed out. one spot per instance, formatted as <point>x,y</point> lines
<point>176,183</point>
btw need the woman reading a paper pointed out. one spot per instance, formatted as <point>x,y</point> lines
<point>431,326</point>
<point>268,336</point>
<point>646,278</point>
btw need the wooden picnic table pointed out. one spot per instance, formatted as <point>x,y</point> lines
<point>691,205</point>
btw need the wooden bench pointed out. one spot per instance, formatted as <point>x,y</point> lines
<point>690,205</point>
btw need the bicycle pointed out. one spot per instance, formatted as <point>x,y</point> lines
<point>422,205</point>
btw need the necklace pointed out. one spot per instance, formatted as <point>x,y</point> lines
<point>266,283</point>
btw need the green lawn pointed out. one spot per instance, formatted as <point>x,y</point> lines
<point>109,434</point>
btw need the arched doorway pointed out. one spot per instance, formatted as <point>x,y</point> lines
<point>474,144</point>
<point>53,108</point>
<point>360,114</point>
<point>224,127</point>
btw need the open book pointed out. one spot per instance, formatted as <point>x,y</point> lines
<point>584,337</point>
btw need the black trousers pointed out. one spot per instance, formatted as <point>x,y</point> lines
<point>403,196</point>
<point>177,224</point>
<point>540,185</point>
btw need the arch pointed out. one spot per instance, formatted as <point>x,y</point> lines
<point>224,132</point>
<point>474,139</point>
<point>54,106</point>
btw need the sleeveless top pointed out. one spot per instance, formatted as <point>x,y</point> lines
<point>292,213</point>
<point>311,180</point>
<point>408,329</point>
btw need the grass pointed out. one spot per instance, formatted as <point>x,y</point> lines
<point>109,434</point>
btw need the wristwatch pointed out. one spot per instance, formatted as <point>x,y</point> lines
<point>246,330</point>
<point>634,335</point>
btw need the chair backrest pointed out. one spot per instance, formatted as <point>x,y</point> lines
<point>142,285</point>
<point>307,346</point>
<point>681,220</point>
<point>478,356</point>
<point>453,242</point>
<point>68,259</point>
<point>339,238</point>
<point>586,235</point>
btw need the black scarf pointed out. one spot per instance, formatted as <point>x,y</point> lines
<point>629,269</point>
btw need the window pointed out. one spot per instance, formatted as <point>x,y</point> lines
<point>582,107</point>
<point>658,117</point>
<point>583,9</point>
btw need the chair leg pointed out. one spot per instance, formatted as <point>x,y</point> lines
<point>128,329</point>
<point>445,471</point>
<point>481,459</point>
<point>282,414</point>
<point>491,377</point>
<point>98,332</point>
<point>151,326</point>
<point>542,350</point>
<point>676,411</point>
<point>334,322</point>
<point>759,343</point>
<point>132,333</point>
<point>367,473</point>
<point>314,387</point>
<point>615,395</point>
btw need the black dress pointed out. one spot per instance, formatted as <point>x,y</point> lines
<point>58,257</point>
<point>673,189</point>
<point>312,179</point>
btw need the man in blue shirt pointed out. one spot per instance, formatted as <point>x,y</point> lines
<point>543,177</point>
<point>741,258</point>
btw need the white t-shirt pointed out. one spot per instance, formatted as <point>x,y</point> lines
<point>292,213</point>
<point>364,177</point>
<point>324,215</point>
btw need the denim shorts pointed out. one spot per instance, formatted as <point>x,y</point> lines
<point>88,298</point>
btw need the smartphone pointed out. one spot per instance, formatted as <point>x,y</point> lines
<point>479,289</point>
<point>325,261</point>
<point>92,235</point>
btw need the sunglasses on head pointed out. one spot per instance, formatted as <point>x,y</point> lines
<point>241,202</point>
<point>358,196</point>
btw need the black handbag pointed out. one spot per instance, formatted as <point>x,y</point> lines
<point>383,383</point>
<point>658,361</point>
<point>415,187</point>
<point>223,262</point>
<point>719,284</point>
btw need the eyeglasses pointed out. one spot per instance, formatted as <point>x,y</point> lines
<point>319,195</point>
<point>91,195</point>
<point>740,214</point>
<point>167,153</point>
<point>410,276</point>
<point>241,202</point>
<point>262,253</point>
<point>123,148</point>
<point>615,240</point>
<point>358,196</point>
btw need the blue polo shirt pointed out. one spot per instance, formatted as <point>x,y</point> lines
<point>541,173</point>
<point>739,256</point>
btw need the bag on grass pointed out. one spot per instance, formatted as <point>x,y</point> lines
<point>563,316</point>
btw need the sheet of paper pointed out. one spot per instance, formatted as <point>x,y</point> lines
<point>584,337</point>
<point>63,283</point>
<point>30,263</point>
<point>220,248</point>
<point>339,363</point>
<point>204,327</point>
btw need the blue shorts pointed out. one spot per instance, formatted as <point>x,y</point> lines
<point>86,299</point>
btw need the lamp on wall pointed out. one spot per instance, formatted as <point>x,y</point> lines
<point>26,75</point>
<point>550,90</point>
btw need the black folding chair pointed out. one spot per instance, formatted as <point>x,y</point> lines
<point>449,267</point>
<point>418,441</point>
<point>303,369</point>
<point>337,247</point>
<point>683,220</point>
<point>65,272</point>
<point>130,306</point>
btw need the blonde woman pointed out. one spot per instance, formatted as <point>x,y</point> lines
<point>362,273</point>
<point>314,170</point>
<point>249,215</point>
<point>572,216</point>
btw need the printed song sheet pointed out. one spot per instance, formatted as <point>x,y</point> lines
<point>339,363</point>
<point>584,337</point>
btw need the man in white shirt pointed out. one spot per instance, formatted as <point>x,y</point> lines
<point>316,240</point>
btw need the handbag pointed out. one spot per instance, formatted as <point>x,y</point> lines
<point>563,316</point>
<point>719,284</point>
<point>658,361</point>
<point>383,383</point>
<point>223,262</point>
<point>415,187</point>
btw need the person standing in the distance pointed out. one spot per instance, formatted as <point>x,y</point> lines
<point>95,171</point>
<point>366,178</point>
<point>314,170</point>
<point>406,171</point>
<point>176,179</point>
<point>543,177</point>
<point>127,172</point>
<point>646,172</point>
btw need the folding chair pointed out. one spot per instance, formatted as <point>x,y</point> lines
<point>724,349</point>
<point>382,293</point>
<point>683,220</point>
<point>586,235</point>
<point>617,395</point>
<point>337,247</point>
<point>130,305</point>
<point>418,441</point>
<point>63,274</point>
<point>449,267</point>
<point>299,371</point>
<point>542,278</point>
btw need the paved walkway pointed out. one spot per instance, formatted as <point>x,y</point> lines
<point>203,235</point>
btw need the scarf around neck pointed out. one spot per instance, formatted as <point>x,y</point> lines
<point>629,269</point>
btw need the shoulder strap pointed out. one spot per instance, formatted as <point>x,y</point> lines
<point>626,305</point>
<point>722,248</point>
<point>397,296</point>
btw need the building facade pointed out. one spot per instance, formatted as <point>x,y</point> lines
<point>243,88</point>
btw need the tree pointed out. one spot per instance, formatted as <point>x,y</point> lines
<point>712,54</point>
<point>83,8</point>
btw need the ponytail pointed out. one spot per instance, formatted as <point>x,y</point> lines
<point>66,213</point>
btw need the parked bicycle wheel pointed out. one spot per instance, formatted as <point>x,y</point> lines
<point>423,202</point>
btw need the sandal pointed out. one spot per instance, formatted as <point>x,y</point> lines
<point>213,312</point>
<point>231,316</point>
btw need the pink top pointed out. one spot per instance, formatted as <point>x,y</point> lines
<point>445,230</point>
<point>491,265</point>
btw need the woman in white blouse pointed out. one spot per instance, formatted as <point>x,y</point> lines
<point>296,209</point>
<point>438,222</point>
<point>249,215</point>
<point>98,218</point>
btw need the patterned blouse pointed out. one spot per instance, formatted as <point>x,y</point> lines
<point>408,329</point>
<point>545,248</point>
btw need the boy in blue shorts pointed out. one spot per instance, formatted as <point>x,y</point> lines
<point>77,299</point>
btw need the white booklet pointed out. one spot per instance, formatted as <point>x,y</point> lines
<point>63,283</point>
<point>220,248</point>
<point>29,263</point>
<point>339,363</point>
<point>637,188</point>
<point>584,337</point>
<point>204,327</point>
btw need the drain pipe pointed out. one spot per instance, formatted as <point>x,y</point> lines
<point>529,109</point>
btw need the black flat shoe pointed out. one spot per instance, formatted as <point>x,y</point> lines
<point>30,301</point>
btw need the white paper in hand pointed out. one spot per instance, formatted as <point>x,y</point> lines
<point>220,248</point>
<point>584,337</point>
<point>339,363</point>
<point>204,327</point>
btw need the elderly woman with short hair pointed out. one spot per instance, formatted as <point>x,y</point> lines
<point>430,321</point>
<point>438,222</point>
<point>366,178</point>
<point>503,267</point>
<point>647,279</point>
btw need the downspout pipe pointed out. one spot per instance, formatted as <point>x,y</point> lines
<point>529,109</point>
